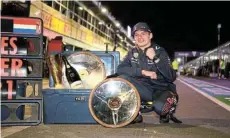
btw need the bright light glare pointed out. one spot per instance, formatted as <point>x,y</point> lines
<point>104,10</point>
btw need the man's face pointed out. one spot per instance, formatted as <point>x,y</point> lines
<point>142,38</point>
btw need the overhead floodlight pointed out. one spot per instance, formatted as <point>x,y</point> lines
<point>179,60</point>
<point>104,10</point>
<point>219,25</point>
<point>80,8</point>
<point>117,24</point>
<point>100,23</point>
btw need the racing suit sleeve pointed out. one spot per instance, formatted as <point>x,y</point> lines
<point>125,67</point>
<point>164,67</point>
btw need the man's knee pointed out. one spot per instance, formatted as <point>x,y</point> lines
<point>144,92</point>
<point>126,77</point>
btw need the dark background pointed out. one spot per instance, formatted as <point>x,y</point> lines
<point>177,26</point>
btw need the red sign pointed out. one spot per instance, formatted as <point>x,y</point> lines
<point>9,46</point>
<point>13,67</point>
<point>8,89</point>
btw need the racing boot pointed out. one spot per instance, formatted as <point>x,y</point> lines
<point>172,116</point>
<point>164,118</point>
<point>174,119</point>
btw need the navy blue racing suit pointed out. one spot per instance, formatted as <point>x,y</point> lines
<point>136,60</point>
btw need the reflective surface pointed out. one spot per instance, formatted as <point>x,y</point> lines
<point>114,103</point>
<point>89,67</point>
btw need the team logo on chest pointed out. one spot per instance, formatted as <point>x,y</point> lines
<point>135,55</point>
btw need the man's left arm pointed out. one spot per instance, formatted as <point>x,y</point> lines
<point>164,67</point>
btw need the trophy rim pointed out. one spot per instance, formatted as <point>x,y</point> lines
<point>122,124</point>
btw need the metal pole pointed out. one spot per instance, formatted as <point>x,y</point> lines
<point>218,37</point>
<point>1,6</point>
<point>106,47</point>
<point>219,26</point>
<point>115,39</point>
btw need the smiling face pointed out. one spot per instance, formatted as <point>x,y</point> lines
<point>143,38</point>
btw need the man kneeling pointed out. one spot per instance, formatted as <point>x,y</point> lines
<point>148,68</point>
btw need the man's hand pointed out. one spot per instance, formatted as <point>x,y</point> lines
<point>150,74</point>
<point>150,53</point>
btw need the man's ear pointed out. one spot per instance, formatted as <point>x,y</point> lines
<point>151,35</point>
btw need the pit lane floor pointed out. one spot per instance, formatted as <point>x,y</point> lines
<point>201,118</point>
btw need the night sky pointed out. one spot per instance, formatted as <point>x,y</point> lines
<point>177,26</point>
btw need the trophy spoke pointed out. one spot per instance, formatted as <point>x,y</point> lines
<point>104,101</point>
<point>115,116</point>
<point>124,96</point>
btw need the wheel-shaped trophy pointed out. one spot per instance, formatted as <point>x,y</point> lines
<point>114,102</point>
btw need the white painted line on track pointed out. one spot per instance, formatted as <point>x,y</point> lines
<point>227,98</point>
<point>208,83</point>
<point>225,106</point>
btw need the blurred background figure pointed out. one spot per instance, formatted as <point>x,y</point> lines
<point>221,69</point>
<point>175,65</point>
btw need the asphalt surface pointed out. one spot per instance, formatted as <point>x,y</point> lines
<point>201,118</point>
